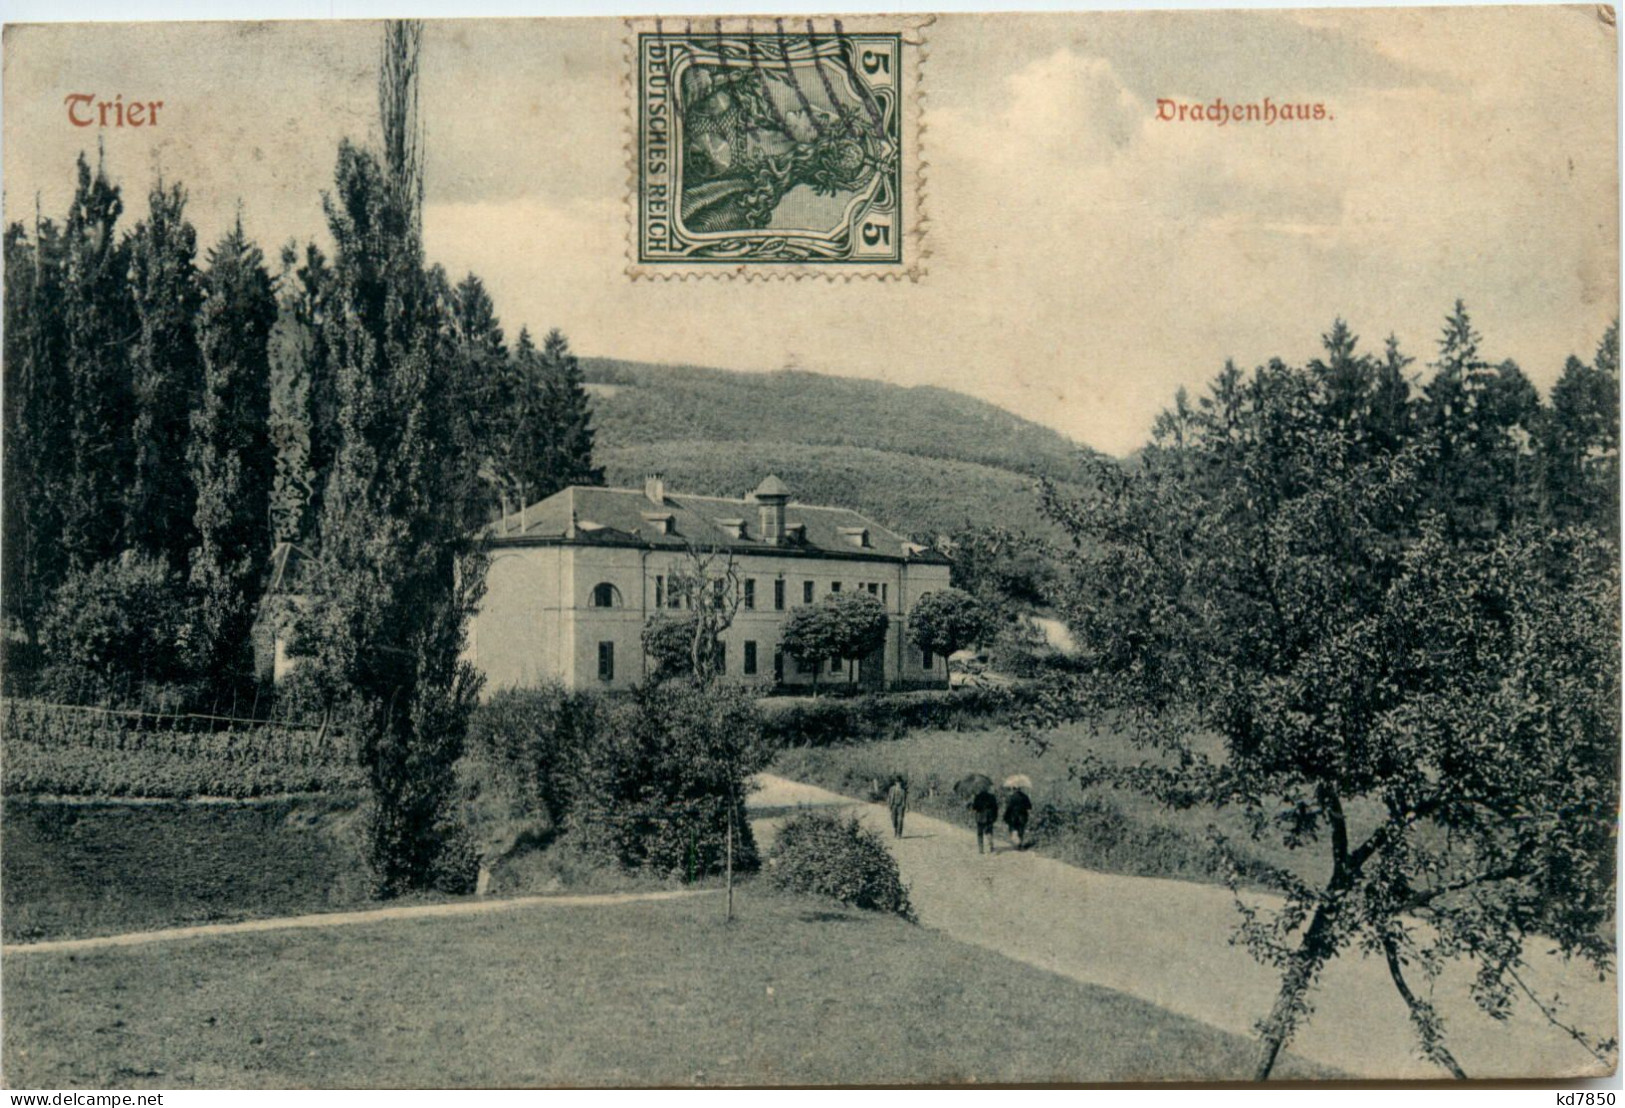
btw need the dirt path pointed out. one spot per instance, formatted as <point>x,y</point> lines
<point>339,919</point>
<point>1168,942</point>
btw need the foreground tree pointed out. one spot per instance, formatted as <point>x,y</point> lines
<point>1447,671</point>
<point>399,570</point>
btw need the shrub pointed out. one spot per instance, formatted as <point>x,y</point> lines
<point>519,764</point>
<point>113,628</point>
<point>827,855</point>
<point>657,790</point>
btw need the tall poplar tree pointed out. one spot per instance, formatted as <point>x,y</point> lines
<point>97,329</point>
<point>304,398</point>
<point>164,377</point>
<point>230,457</point>
<point>399,570</point>
<point>37,416</point>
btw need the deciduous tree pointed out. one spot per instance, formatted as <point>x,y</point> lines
<point>947,621</point>
<point>1431,704</point>
<point>399,570</point>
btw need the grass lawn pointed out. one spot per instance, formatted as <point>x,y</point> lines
<point>1099,828</point>
<point>78,868</point>
<point>652,993</point>
<point>71,869</point>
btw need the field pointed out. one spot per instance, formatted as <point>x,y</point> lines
<point>795,991</point>
<point>58,750</point>
<point>1098,828</point>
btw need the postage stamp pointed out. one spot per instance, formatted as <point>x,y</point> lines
<point>777,149</point>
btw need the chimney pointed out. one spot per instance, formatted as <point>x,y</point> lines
<point>654,488</point>
<point>772,495</point>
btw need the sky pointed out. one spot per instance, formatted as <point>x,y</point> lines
<point>1086,258</point>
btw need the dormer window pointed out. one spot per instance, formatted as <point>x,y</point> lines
<point>855,536</point>
<point>661,523</point>
<point>795,532</point>
<point>733,528</point>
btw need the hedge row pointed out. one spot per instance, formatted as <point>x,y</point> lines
<point>835,722</point>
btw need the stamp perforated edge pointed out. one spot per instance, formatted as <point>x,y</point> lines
<point>916,239</point>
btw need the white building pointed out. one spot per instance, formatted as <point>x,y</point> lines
<point>574,578</point>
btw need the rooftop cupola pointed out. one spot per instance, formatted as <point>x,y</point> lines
<point>771,496</point>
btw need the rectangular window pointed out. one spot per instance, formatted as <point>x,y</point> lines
<point>750,658</point>
<point>719,594</point>
<point>874,589</point>
<point>835,665</point>
<point>606,661</point>
<point>806,592</point>
<point>722,657</point>
<point>834,586</point>
<point>674,595</point>
<point>778,595</point>
<point>884,599</point>
<point>660,591</point>
<point>925,659</point>
<point>750,594</point>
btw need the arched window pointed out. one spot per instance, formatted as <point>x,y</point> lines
<point>606,596</point>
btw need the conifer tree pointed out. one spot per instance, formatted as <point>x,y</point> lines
<point>230,457</point>
<point>1484,418</point>
<point>485,379</point>
<point>1580,446</point>
<point>521,437</point>
<point>567,418</point>
<point>165,377</point>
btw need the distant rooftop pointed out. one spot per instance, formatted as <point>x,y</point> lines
<point>593,516</point>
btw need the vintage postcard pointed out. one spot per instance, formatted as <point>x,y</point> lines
<point>846,549</point>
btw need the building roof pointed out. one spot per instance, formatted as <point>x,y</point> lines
<point>590,516</point>
<point>771,486</point>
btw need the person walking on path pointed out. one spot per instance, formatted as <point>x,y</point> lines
<point>985,806</point>
<point>897,801</point>
<point>1017,807</point>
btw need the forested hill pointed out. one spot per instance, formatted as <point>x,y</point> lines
<point>923,460</point>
